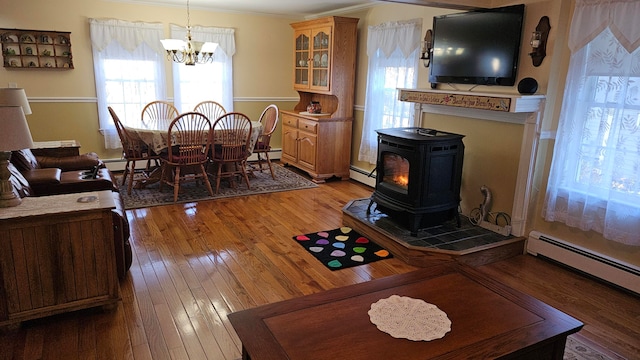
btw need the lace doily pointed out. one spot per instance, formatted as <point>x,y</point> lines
<point>409,318</point>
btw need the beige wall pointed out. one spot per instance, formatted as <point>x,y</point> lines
<point>491,148</point>
<point>63,101</point>
<point>64,106</point>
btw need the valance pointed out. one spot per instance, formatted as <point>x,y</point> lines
<point>591,17</point>
<point>388,36</point>
<point>128,34</point>
<point>224,37</point>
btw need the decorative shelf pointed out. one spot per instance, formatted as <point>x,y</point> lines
<point>513,108</point>
<point>36,49</point>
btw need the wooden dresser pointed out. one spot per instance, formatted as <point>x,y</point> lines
<point>57,255</point>
<point>324,72</point>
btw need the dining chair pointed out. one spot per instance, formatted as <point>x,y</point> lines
<point>210,109</point>
<point>232,134</point>
<point>132,150</point>
<point>188,140</point>
<point>269,121</point>
<point>159,110</point>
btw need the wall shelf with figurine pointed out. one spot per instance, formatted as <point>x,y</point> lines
<point>36,49</point>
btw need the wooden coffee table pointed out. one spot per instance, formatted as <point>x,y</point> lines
<point>488,320</point>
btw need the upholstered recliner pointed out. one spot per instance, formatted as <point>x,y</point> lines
<point>55,181</point>
<point>49,175</point>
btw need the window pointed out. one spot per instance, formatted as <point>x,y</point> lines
<point>393,60</point>
<point>594,183</point>
<point>211,81</point>
<point>129,85</point>
<point>129,68</point>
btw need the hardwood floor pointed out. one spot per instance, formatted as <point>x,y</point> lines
<point>196,263</point>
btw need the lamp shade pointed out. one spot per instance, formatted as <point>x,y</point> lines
<point>14,130</point>
<point>15,97</point>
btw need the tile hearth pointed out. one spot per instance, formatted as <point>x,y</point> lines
<point>446,240</point>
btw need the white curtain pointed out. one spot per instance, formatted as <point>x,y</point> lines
<point>116,40</point>
<point>594,183</point>
<point>213,81</point>
<point>393,49</point>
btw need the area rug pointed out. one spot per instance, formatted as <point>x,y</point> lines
<point>262,183</point>
<point>342,248</point>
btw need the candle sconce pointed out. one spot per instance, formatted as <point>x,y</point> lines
<point>539,41</point>
<point>427,47</point>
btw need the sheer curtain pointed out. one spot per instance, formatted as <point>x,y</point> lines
<point>128,61</point>
<point>392,48</point>
<point>594,182</point>
<point>192,84</point>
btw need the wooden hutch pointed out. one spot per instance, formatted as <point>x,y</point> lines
<point>324,72</point>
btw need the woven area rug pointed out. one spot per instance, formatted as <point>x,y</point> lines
<point>342,248</point>
<point>191,191</point>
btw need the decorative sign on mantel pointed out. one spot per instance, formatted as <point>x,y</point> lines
<point>458,100</point>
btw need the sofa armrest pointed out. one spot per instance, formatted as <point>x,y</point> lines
<point>49,176</point>
<point>71,163</point>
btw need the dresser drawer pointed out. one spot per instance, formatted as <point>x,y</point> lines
<point>289,120</point>
<point>308,125</point>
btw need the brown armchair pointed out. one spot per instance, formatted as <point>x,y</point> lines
<point>60,175</point>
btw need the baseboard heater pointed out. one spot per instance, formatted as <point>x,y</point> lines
<point>613,271</point>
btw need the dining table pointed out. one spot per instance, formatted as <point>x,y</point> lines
<point>155,134</point>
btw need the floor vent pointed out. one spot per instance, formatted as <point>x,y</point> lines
<point>592,263</point>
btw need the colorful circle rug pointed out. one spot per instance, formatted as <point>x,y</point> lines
<point>342,248</point>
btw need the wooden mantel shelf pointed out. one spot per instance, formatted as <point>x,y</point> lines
<point>513,108</point>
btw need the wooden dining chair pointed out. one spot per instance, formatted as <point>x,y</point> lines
<point>132,150</point>
<point>188,140</point>
<point>210,109</point>
<point>232,136</point>
<point>269,121</point>
<point>159,110</point>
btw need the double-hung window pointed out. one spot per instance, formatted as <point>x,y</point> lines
<point>594,182</point>
<point>210,81</point>
<point>129,68</point>
<point>393,61</point>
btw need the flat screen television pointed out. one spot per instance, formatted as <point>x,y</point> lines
<point>477,47</point>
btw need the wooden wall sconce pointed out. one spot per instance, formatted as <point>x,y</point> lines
<point>539,41</point>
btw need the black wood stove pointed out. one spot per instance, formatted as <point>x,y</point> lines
<point>418,176</point>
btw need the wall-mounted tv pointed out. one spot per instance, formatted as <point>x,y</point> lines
<point>477,47</point>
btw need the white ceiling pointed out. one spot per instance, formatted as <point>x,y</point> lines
<point>294,8</point>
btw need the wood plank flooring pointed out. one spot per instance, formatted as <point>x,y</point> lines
<point>196,263</point>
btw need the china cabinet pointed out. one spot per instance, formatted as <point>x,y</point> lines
<point>323,73</point>
<point>36,49</point>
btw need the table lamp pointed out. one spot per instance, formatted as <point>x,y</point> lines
<point>15,96</point>
<point>14,135</point>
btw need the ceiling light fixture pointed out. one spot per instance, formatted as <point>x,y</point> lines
<point>189,52</point>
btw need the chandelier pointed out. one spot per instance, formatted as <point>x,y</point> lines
<point>189,52</point>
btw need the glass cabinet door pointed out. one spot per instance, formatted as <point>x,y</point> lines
<point>301,72</point>
<point>321,55</point>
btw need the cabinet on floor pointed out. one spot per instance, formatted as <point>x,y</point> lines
<point>324,73</point>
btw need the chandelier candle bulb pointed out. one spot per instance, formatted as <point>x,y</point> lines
<point>189,52</point>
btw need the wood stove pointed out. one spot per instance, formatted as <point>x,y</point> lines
<point>418,176</point>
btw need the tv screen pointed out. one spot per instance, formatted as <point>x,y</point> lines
<point>477,47</point>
